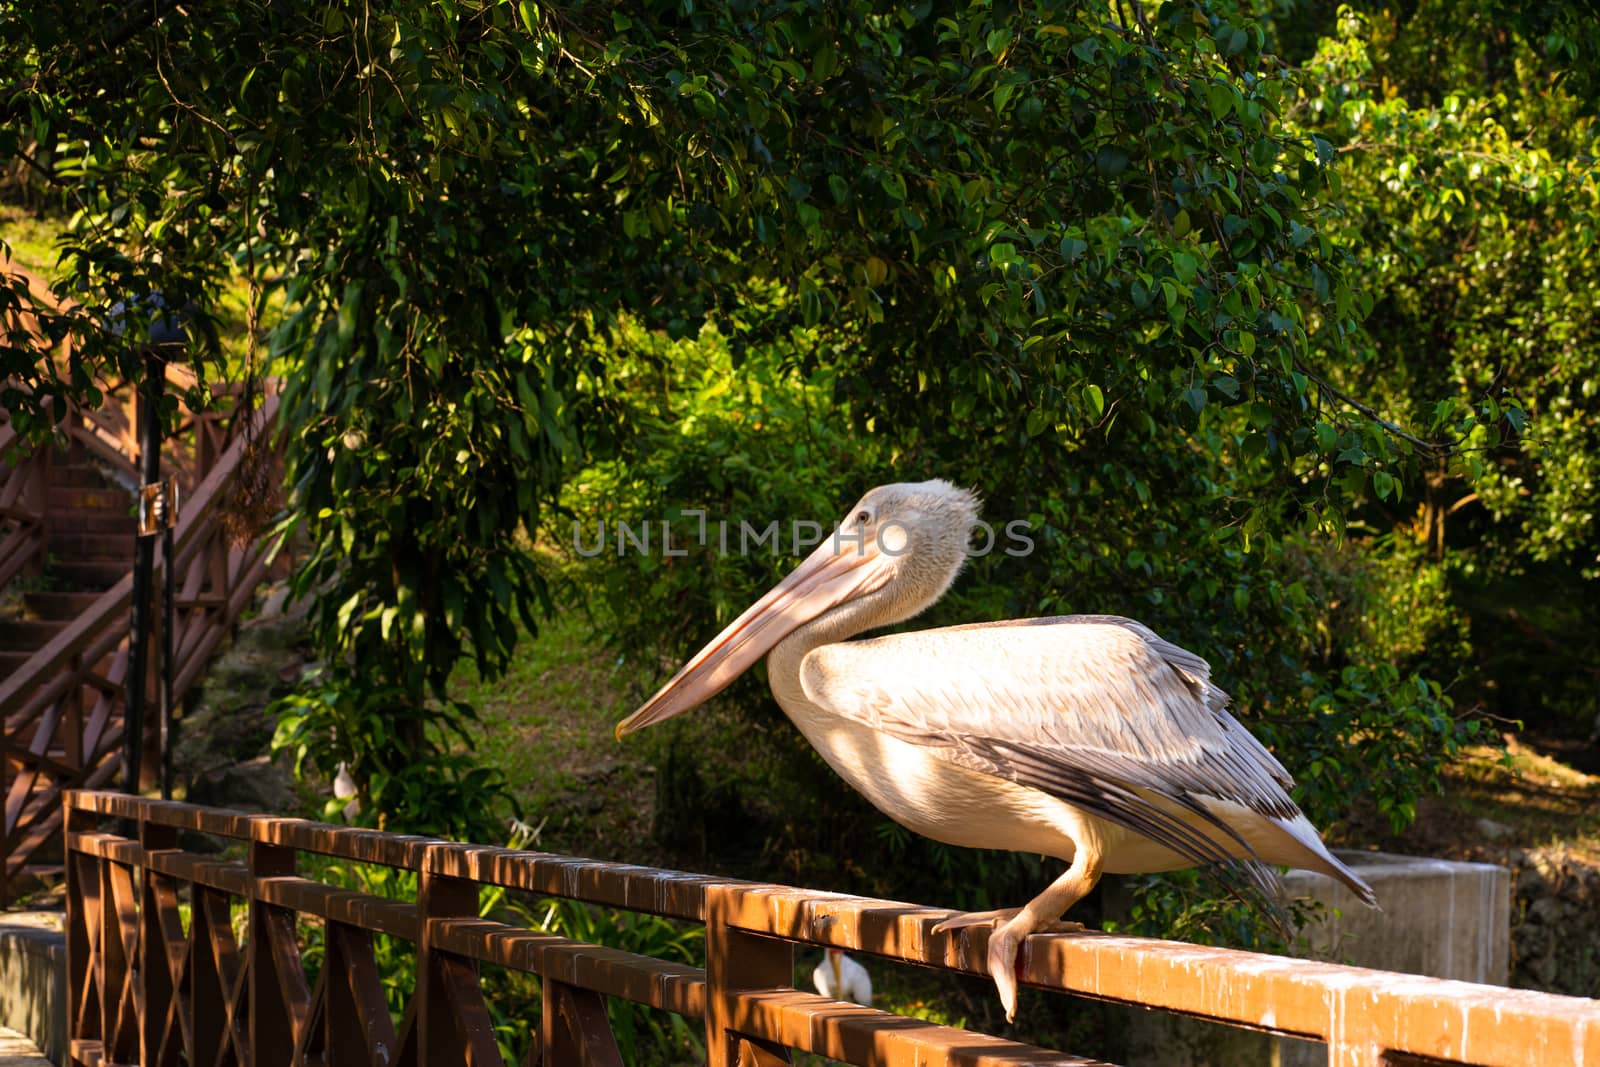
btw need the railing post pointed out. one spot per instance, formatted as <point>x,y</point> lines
<point>117,962</point>
<point>739,962</point>
<point>273,1027</point>
<point>83,1017</point>
<point>155,972</point>
<point>453,1024</point>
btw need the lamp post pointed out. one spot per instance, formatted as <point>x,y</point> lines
<point>157,513</point>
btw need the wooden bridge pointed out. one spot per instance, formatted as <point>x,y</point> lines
<point>66,549</point>
<point>177,957</point>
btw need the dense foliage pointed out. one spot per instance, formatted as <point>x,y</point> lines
<point>1472,196</point>
<point>1274,328</point>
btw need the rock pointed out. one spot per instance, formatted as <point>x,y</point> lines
<point>1555,921</point>
<point>1545,910</point>
<point>1494,831</point>
<point>224,737</point>
<point>277,597</point>
<point>253,785</point>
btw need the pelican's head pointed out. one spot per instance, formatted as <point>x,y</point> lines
<point>894,553</point>
<point>919,531</point>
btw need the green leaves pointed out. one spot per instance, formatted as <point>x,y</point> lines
<point>1220,99</point>
<point>1188,308</point>
<point>1096,399</point>
<point>1111,161</point>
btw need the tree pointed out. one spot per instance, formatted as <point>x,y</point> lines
<point>1470,189</point>
<point>1076,254</point>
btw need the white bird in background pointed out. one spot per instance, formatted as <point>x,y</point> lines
<point>842,978</point>
<point>1083,737</point>
<point>344,788</point>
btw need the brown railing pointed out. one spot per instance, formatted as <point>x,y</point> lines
<point>61,710</point>
<point>145,987</point>
<point>192,445</point>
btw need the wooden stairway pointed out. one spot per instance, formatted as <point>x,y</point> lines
<point>88,547</point>
<point>66,588</point>
<point>66,580</point>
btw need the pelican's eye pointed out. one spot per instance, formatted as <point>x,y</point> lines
<point>863,516</point>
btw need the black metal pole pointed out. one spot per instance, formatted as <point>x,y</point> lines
<point>166,655</point>
<point>144,551</point>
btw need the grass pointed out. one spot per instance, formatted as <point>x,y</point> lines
<point>547,726</point>
<point>1490,804</point>
<point>31,238</point>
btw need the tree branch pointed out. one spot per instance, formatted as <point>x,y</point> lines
<point>1431,447</point>
<point>146,16</point>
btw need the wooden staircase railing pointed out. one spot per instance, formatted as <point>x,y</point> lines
<point>61,708</point>
<point>146,987</point>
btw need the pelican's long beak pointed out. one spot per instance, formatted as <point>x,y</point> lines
<point>839,570</point>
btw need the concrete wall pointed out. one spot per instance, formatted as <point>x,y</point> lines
<point>1439,918</point>
<point>33,979</point>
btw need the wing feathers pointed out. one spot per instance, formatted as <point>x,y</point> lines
<point>1096,710</point>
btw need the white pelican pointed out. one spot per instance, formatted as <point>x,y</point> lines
<point>842,978</point>
<point>1083,737</point>
<point>344,788</point>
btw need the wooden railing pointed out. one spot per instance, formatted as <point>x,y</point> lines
<point>146,987</point>
<point>61,711</point>
<point>191,445</point>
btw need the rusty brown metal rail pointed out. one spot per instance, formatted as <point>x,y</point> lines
<point>143,989</point>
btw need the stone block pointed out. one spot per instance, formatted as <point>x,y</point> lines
<point>33,979</point>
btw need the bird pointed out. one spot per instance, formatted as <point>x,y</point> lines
<point>1086,738</point>
<point>842,978</point>
<point>344,788</point>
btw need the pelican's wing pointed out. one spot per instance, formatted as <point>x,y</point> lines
<point>1094,709</point>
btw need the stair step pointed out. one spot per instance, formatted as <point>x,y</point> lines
<point>10,660</point>
<point>87,574</point>
<point>78,476</point>
<point>66,606</point>
<point>79,545</point>
<point>77,520</point>
<point>23,635</point>
<point>114,501</point>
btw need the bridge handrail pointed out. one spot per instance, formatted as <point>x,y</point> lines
<point>1367,1017</point>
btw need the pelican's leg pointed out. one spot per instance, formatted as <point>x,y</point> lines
<point>1040,914</point>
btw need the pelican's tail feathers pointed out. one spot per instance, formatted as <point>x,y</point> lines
<point>1319,859</point>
